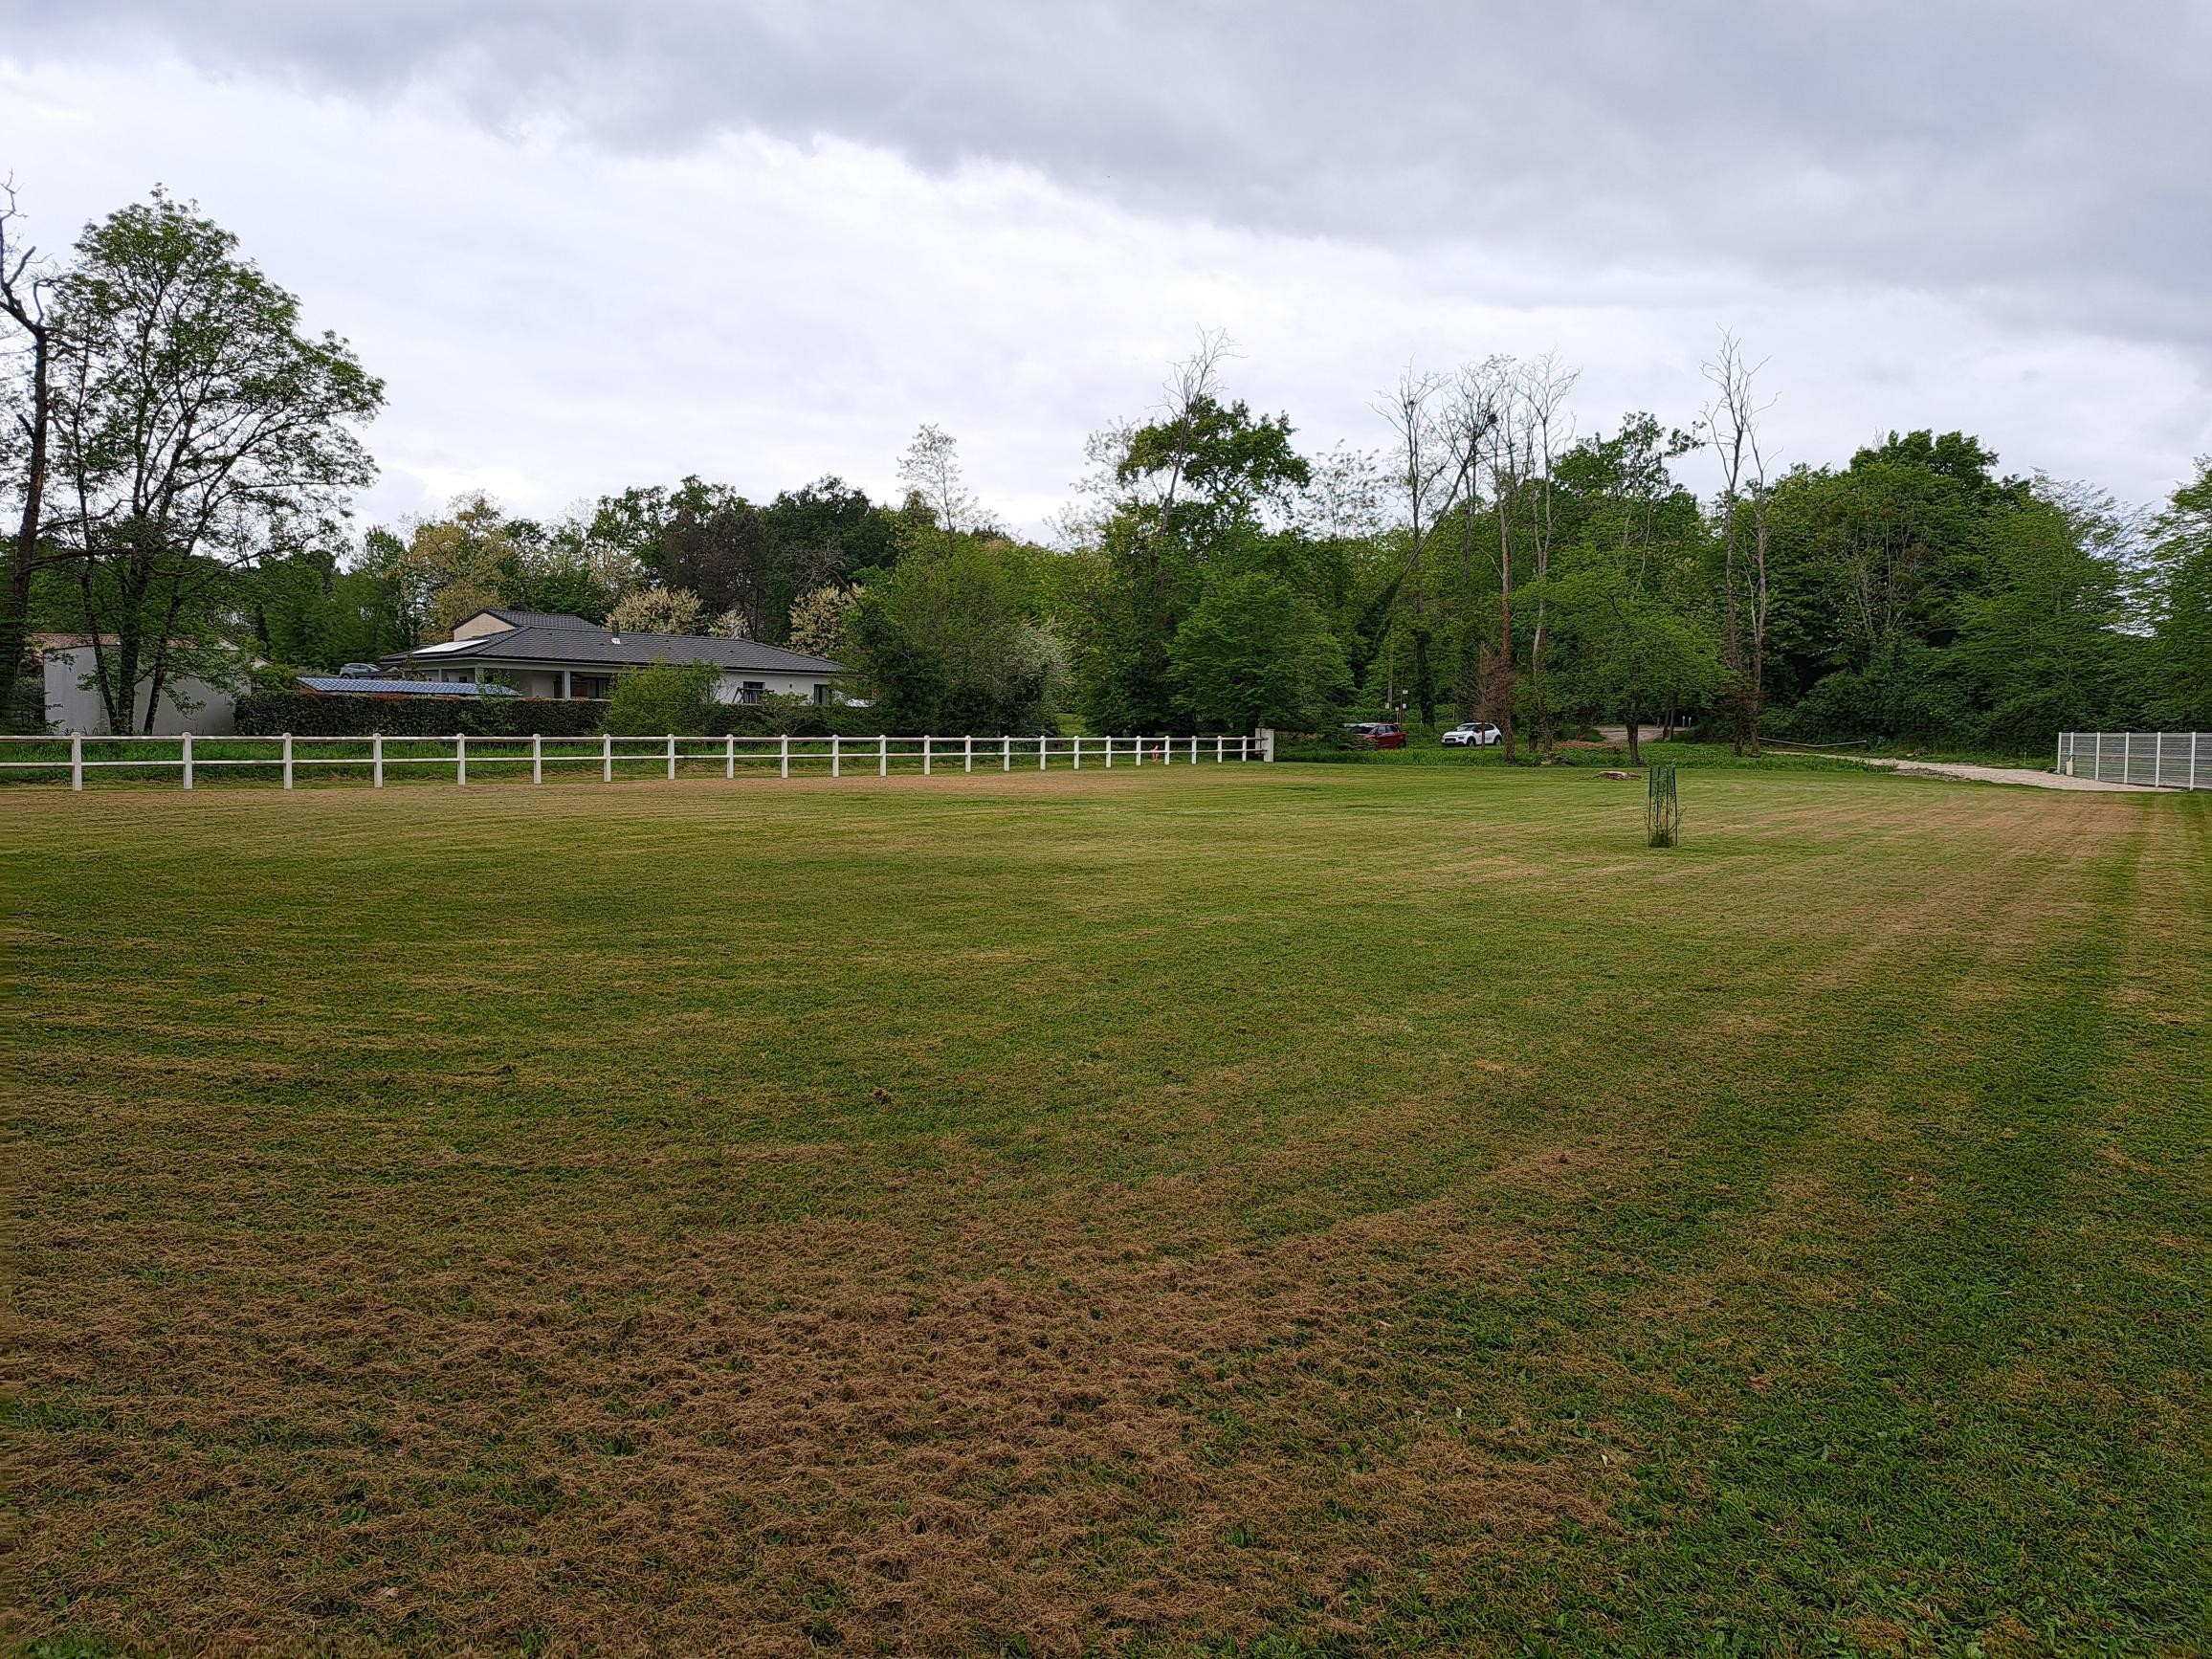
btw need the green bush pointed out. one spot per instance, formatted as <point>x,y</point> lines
<point>668,696</point>
<point>792,717</point>
<point>268,714</point>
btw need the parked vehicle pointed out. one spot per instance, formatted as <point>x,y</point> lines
<point>1378,734</point>
<point>1471,735</point>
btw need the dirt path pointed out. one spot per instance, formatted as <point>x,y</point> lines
<point>1988,774</point>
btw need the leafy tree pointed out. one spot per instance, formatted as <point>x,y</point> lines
<point>1254,652</point>
<point>192,424</point>
<point>309,611</point>
<point>2043,641</point>
<point>656,611</point>
<point>1630,594</point>
<point>1203,493</point>
<point>449,568</point>
<point>907,677</point>
<point>821,621</point>
<point>2174,673</point>
<point>971,609</point>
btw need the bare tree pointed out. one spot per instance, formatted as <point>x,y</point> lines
<point>1731,420</point>
<point>1494,436</point>
<point>23,283</point>
<point>1541,388</point>
<point>931,469</point>
<point>1425,474</point>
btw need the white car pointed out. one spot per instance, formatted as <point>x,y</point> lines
<point>1472,735</point>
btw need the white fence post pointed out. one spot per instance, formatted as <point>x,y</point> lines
<point>672,757</point>
<point>607,756</point>
<point>376,759</point>
<point>187,760</point>
<point>288,760</point>
<point>1006,752</point>
<point>460,757</point>
<point>536,759</point>
<point>1043,742</point>
<point>2194,739</point>
<point>729,754</point>
<point>2127,757</point>
<point>925,754</point>
<point>833,762</point>
<point>883,755</point>
<point>1077,753</point>
<point>967,753</point>
<point>2158,761</point>
<point>1108,752</point>
<point>784,761</point>
<point>77,762</point>
<point>1220,748</point>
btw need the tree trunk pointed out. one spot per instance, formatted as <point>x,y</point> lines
<point>1635,747</point>
<point>1502,691</point>
<point>23,550</point>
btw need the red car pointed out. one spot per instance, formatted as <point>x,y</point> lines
<point>1378,734</point>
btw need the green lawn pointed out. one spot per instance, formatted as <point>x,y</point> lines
<point>1258,1210</point>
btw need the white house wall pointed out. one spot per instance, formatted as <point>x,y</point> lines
<point>728,688</point>
<point>71,706</point>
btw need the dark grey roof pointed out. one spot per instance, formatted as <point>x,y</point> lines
<point>596,646</point>
<point>386,687</point>
<point>537,618</point>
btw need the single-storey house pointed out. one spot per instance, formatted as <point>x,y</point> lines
<point>548,655</point>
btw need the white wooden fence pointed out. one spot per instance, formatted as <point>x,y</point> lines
<point>2154,760</point>
<point>287,757</point>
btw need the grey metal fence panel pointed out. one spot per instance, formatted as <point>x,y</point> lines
<point>2148,759</point>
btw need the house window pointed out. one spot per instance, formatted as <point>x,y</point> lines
<point>821,693</point>
<point>750,691</point>
<point>589,685</point>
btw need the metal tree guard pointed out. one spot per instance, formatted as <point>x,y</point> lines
<point>1662,810</point>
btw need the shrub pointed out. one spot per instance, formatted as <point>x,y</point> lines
<point>793,716</point>
<point>668,696</point>
<point>268,714</point>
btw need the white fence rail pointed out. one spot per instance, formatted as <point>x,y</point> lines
<point>2154,760</point>
<point>288,758</point>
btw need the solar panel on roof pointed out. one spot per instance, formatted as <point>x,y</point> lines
<point>435,688</point>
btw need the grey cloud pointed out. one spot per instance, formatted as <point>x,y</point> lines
<point>2052,155</point>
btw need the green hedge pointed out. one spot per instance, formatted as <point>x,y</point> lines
<point>272,714</point>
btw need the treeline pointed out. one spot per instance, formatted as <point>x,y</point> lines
<point>1492,557</point>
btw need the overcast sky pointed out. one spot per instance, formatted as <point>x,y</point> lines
<point>589,245</point>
